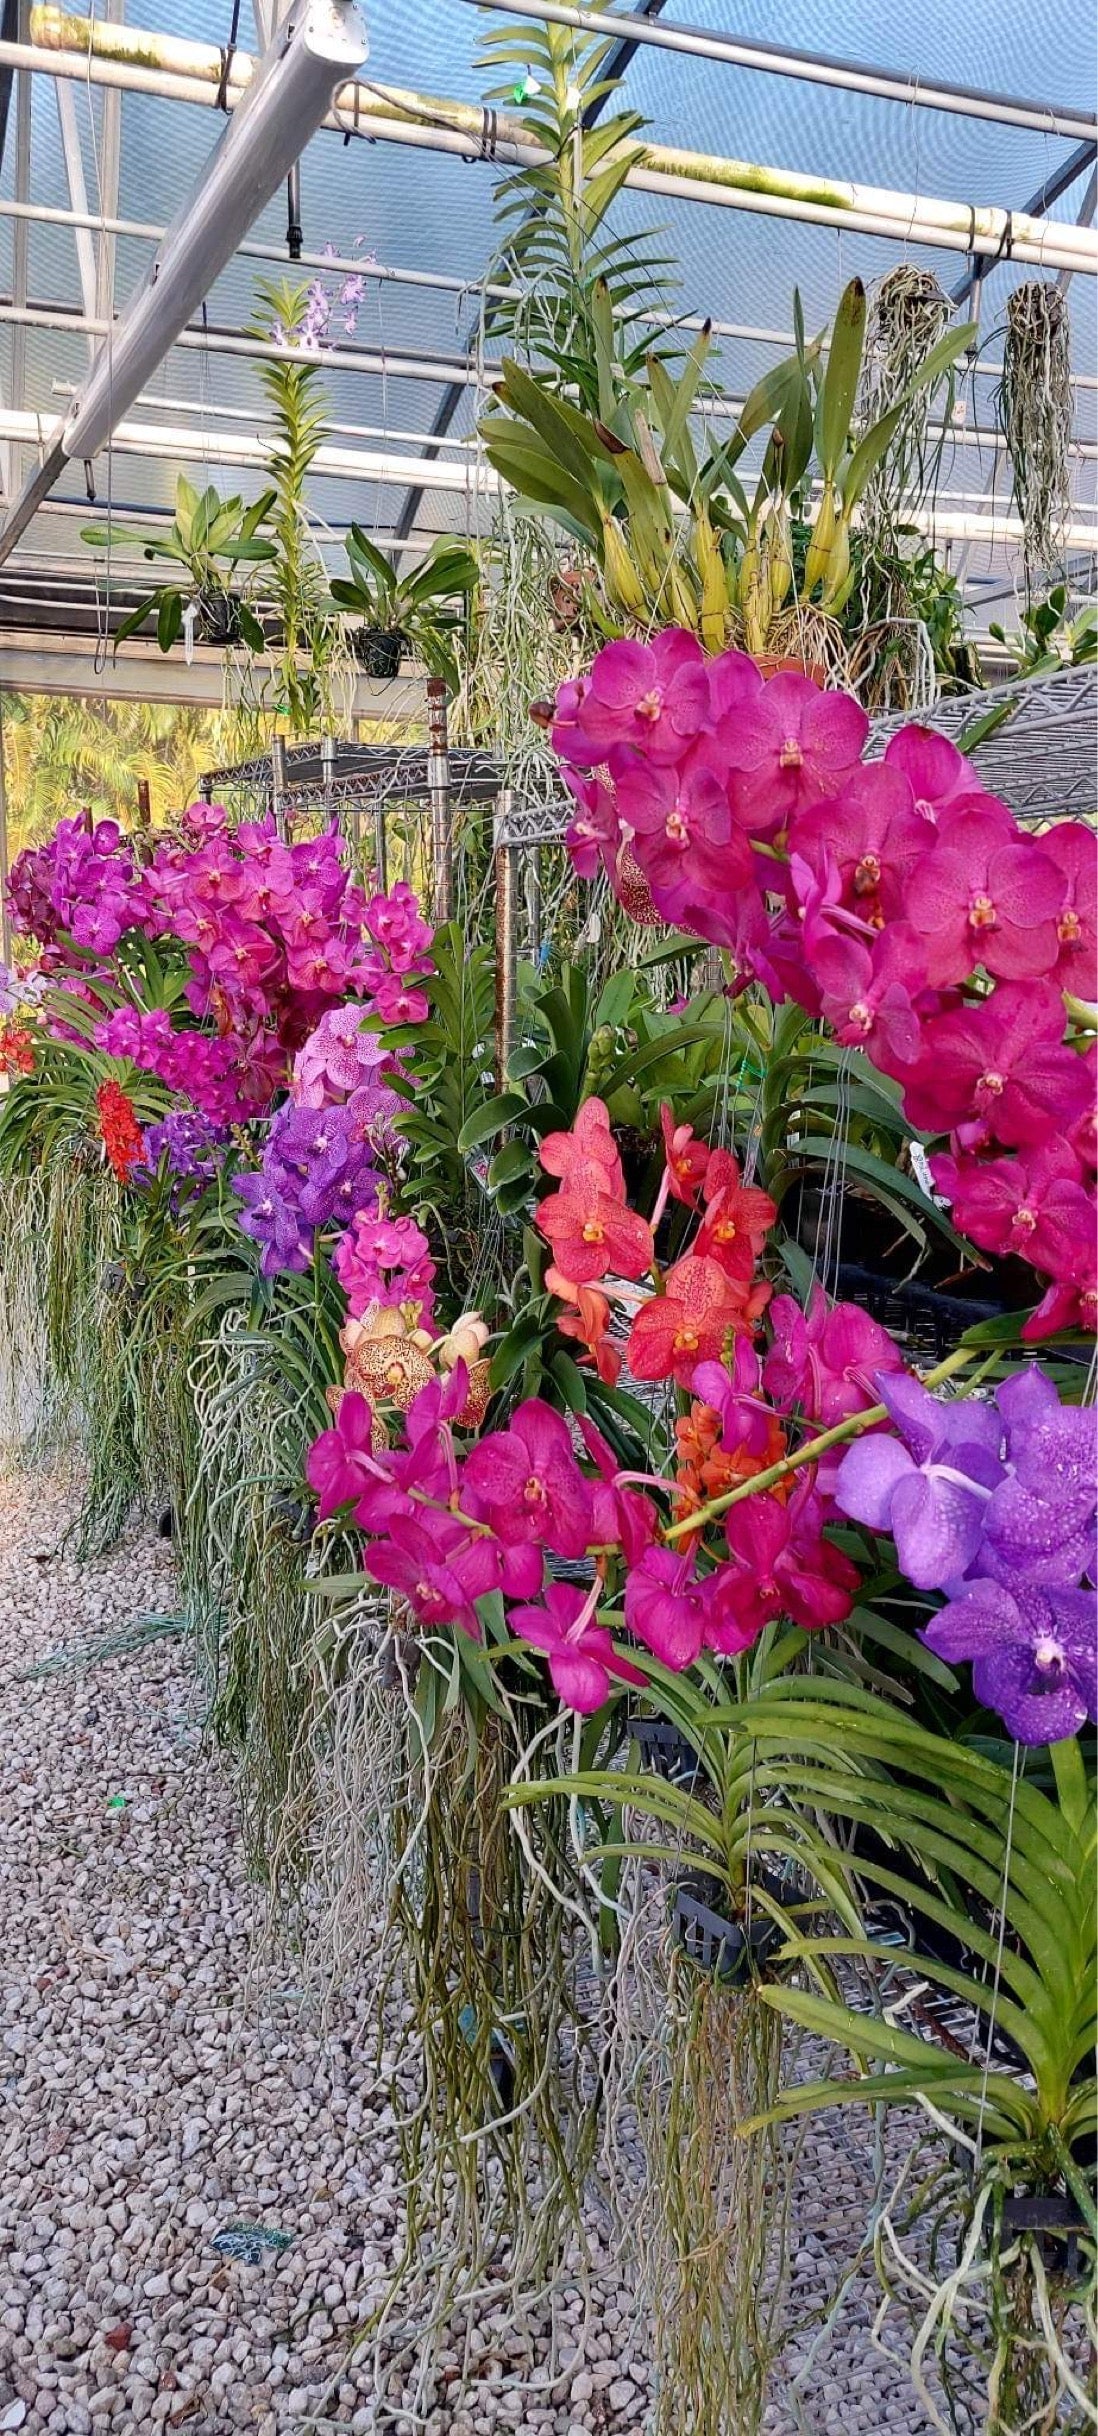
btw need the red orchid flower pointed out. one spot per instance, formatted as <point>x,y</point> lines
<point>589,1144</point>
<point>588,1324</point>
<point>686,1158</point>
<point>689,1324</point>
<point>738,1218</point>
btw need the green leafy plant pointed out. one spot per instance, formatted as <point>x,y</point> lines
<point>299,587</point>
<point>407,611</point>
<point>678,540</point>
<point>570,286</point>
<point>209,540</point>
<point>1050,639</point>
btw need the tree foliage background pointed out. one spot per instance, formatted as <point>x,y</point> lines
<point>62,751</point>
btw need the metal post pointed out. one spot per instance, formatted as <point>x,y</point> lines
<point>438,782</point>
<point>327,772</point>
<point>5,915</point>
<point>504,863</point>
<point>278,784</point>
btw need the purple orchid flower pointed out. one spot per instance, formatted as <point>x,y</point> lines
<point>1033,1654</point>
<point>930,1487</point>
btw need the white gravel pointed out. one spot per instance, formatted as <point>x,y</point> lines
<point>151,2103</point>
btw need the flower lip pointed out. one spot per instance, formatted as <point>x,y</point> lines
<point>649,705</point>
<point>791,754</point>
<point>981,913</point>
<point>1048,1654</point>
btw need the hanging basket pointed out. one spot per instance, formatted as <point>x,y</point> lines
<point>665,1750</point>
<point>218,618</point>
<point>731,1950</point>
<point>1054,2221</point>
<point>379,653</point>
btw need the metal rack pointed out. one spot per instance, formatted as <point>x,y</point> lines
<point>1040,758</point>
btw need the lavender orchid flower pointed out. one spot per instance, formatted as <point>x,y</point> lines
<point>931,1486</point>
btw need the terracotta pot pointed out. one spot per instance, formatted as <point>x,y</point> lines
<point>776,664</point>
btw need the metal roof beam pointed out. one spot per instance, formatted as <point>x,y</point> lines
<point>813,67</point>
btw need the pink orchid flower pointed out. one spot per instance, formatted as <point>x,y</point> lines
<point>530,1483</point>
<point>790,746</point>
<point>985,896</point>
<point>999,1067</point>
<point>582,1661</point>
<point>664,1607</point>
<point>652,695</point>
<point>1035,1205</point>
<point>868,991</point>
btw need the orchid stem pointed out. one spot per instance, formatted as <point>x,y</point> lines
<point>853,1427</point>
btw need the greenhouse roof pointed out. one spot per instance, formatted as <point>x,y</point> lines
<point>93,169</point>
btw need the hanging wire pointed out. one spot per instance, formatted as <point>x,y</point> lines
<point>1008,1850</point>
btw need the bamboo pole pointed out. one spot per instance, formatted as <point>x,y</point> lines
<point>399,115</point>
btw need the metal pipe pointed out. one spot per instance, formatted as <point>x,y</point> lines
<point>504,863</point>
<point>215,341</point>
<point>168,440</point>
<point>444,283</point>
<point>810,67</point>
<point>295,234</point>
<point>110,54</point>
<point>278,784</point>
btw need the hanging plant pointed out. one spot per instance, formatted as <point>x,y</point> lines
<point>1035,406</point>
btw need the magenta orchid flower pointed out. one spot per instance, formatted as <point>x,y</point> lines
<point>827,1359</point>
<point>782,1565</point>
<point>985,896</point>
<point>652,695</point>
<point>868,994</point>
<point>341,1461</point>
<point>684,837</point>
<point>940,778</point>
<point>1035,1205</point>
<point>439,1566</point>
<point>1000,1068</point>
<point>582,1661</point>
<point>873,834</point>
<point>1074,850</point>
<point>530,1483</point>
<point>665,1608</point>
<point>790,746</point>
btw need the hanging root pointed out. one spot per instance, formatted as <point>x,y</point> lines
<point>493,2077</point>
<point>1004,2337</point>
<point>1035,410</point>
<point>704,2209</point>
<point>910,312</point>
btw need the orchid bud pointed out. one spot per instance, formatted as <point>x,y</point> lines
<point>622,581</point>
<point>465,1343</point>
<point>817,565</point>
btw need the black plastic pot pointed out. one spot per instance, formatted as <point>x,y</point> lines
<point>378,654</point>
<point>731,1950</point>
<point>219,618</point>
<point>1052,2219</point>
<point>667,1752</point>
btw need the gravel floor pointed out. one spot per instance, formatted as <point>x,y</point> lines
<point>151,2106</point>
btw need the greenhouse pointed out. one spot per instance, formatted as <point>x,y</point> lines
<point>548,1246</point>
